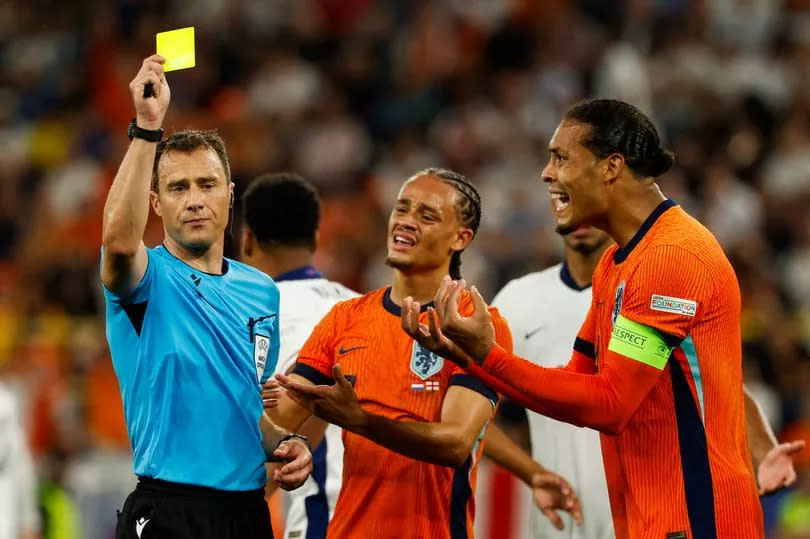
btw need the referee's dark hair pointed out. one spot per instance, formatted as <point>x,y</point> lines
<point>468,206</point>
<point>187,141</point>
<point>282,209</point>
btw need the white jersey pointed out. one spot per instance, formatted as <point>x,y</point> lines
<point>306,297</point>
<point>545,311</point>
<point>19,512</point>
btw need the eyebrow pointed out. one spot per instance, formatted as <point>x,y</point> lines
<point>422,206</point>
<point>200,179</point>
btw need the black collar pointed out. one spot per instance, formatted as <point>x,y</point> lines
<point>568,280</point>
<point>395,309</point>
<point>620,255</point>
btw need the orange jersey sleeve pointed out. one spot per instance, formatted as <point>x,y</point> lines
<point>317,356</point>
<point>628,371</point>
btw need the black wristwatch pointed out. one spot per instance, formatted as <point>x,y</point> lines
<point>294,435</point>
<point>146,134</point>
<point>272,458</point>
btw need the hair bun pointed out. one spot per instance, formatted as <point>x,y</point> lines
<point>662,160</point>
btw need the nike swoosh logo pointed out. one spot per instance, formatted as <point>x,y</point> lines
<point>530,334</point>
<point>347,350</point>
<point>140,525</point>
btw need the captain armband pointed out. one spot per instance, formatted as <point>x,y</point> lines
<point>639,342</point>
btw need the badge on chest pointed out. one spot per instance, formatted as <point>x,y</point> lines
<point>425,363</point>
<point>261,347</point>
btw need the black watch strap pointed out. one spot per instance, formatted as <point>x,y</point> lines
<point>299,436</point>
<point>273,458</point>
<point>146,134</point>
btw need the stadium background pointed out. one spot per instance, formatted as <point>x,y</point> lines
<point>356,95</point>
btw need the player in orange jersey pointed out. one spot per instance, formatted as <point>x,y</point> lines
<point>413,422</point>
<point>657,363</point>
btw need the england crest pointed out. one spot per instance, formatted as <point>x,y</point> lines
<point>617,303</point>
<point>425,363</point>
<point>261,347</point>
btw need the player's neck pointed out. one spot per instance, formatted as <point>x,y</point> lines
<point>632,212</point>
<point>275,261</point>
<point>208,261</point>
<point>421,286</point>
<point>582,265</point>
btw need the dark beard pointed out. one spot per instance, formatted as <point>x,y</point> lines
<point>397,265</point>
<point>564,230</point>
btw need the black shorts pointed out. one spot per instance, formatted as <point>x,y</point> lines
<point>163,510</point>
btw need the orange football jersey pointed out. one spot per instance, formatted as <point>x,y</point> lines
<point>385,494</point>
<point>657,364</point>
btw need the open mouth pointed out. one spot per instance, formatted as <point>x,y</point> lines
<point>403,241</point>
<point>560,201</point>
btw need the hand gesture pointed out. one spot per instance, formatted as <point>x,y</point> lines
<point>473,334</point>
<point>270,394</point>
<point>550,493</point>
<point>298,464</point>
<point>776,471</point>
<point>430,335</point>
<point>336,404</point>
<point>150,111</point>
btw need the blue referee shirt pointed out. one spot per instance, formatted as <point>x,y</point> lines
<point>191,350</point>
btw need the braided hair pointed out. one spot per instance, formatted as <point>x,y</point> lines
<point>468,207</point>
<point>619,127</point>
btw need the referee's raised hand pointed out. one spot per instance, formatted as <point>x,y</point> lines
<point>150,111</point>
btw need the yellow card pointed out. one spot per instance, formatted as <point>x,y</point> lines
<point>177,47</point>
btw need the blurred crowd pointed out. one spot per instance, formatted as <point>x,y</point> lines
<point>357,95</point>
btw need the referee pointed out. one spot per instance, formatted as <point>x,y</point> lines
<point>192,336</point>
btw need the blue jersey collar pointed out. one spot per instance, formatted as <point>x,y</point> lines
<point>299,274</point>
<point>568,279</point>
<point>620,255</point>
<point>395,309</point>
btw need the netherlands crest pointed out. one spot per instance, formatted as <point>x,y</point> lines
<point>425,363</point>
<point>617,303</point>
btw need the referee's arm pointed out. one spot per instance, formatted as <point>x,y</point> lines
<point>127,206</point>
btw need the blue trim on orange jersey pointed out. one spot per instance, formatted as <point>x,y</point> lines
<point>313,375</point>
<point>688,347</point>
<point>299,274</point>
<point>568,279</point>
<point>470,382</point>
<point>395,309</point>
<point>621,254</point>
<point>316,505</point>
<point>585,347</point>
<point>460,495</point>
<point>695,469</point>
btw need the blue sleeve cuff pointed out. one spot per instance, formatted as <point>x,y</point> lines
<point>585,347</point>
<point>470,382</point>
<point>313,375</point>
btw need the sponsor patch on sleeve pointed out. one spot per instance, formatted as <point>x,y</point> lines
<point>639,342</point>
<point>669,304</point>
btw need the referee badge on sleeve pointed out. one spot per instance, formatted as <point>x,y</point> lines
<point>261,347</point>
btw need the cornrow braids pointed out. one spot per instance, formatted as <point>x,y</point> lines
<point>468,207</point>
<point>619,127</point>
